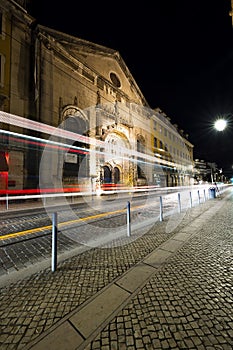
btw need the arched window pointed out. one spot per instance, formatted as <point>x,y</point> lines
<point>76,164</point>
<point>140,144</point>
<point>75,124</point>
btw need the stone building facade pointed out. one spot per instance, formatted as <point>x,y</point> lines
<point>15,97</point>
<point>110,133</point>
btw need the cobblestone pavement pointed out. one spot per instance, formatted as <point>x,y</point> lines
<point>186,304</point>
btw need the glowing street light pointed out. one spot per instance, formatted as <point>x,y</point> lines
<point>220,124</point>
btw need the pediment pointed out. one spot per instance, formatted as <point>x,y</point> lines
<point>105,62</point>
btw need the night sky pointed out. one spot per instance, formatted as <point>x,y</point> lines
<point>179,52</point>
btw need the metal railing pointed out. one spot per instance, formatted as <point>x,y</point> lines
<point>205,197</point>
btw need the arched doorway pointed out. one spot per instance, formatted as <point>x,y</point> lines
<point>116,146</point>
<point>107,175</point>
<point>116,175</point>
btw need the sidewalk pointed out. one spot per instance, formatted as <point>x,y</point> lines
<point>164,290</point>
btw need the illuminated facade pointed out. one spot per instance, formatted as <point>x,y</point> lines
<point>173,151</point>
<point>87,89</point>
<point>15,38</point>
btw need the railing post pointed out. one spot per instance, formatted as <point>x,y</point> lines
<point>198,195</point>
<point>160,208</point>
<point>179,203</point>
<point>128,220</point>
<point>191,200</point>
<point>54,242</point>
<point>204,196</point>
<point>7,202</point>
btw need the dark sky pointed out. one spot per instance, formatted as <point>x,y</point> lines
<point>179,52</point>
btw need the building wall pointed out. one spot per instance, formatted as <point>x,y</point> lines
<point>15,49</point>
<point>52,83</point>
<point>174,150</point>
<point>20,70</point>
<point>5,52</point>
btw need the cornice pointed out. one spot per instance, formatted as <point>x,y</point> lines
<point>12,7</point>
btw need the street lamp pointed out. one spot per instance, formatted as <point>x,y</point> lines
<point>220,124</point>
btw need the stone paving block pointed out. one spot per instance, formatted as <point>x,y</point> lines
<point>135,277</point>
<point>63,337</point>
<point>158,257</point>
<point>182,236</point>
<point>189,229</point>
<point>172,245</point>
<point>92,315</point>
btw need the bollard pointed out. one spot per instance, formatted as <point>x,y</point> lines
<point>191,200</point>
<point>7,202</point>
<point>198,195</point>
<point>179,203</point>
<point>204,195</point>
<point>54,242</point>
<point>128,220</point>
<point>161,208</point>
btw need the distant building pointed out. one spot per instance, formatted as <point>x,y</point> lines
<point>86,90</point>
<point>207,172</point>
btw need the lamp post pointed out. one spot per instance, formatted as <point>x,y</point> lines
<point>220,125</point>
